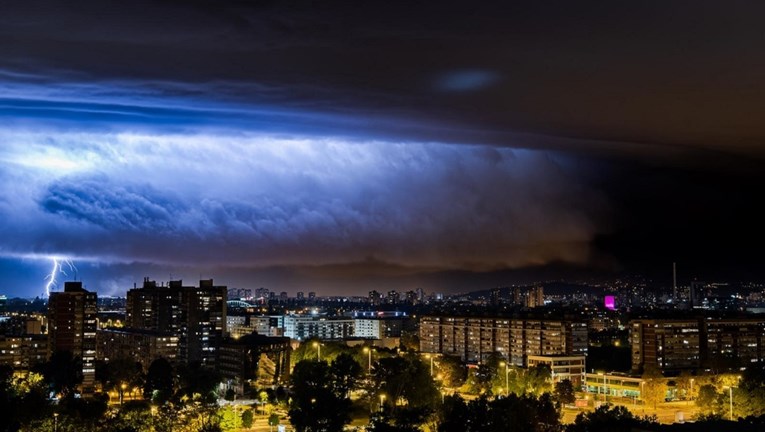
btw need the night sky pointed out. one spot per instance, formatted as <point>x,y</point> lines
<point>340,147</point>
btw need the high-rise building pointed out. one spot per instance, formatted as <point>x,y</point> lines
<point>300,296</point>
<point>392,297</point>
<point>154,307</point>
<point>197,315</point>
<point>496,296</point>
<point>666,344</point>
<point>72,321</point>
<point>535,297</point>
<point>375,298</point>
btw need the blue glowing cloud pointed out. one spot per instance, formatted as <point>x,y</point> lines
<point>118,177</point>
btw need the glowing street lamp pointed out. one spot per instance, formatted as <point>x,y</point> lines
<point>369,364</point>
<point>507,378</point>
<point>317,345</point>
<point>382,401</point>
<point>730,395</point>
<point>430,356</point>
<point>691,389</point>
<point>123,386</point>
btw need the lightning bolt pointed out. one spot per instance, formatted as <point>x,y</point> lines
<point>58,268</point>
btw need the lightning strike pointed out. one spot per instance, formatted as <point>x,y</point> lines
<point>57,269</point>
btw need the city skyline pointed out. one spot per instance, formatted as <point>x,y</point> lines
<point>380,146</point>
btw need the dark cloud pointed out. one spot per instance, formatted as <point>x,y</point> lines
<point>646,72</point>
<point>404,142</point>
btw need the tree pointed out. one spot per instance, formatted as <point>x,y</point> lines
<point>123,373</point>
<point>407,380</point>
<point>654,387</point>
<point>707,400</point>
<point>683,385</point>
<point>273,420</point>
<point>516,413</point>
<point>201,380</point>
<point>452,370</point>
<point>382,422</point>
<point>564,392</point>
<point>159,382</point>
<point>537,379</point>
<point>345,372</point>
<point>229,418</point>
<point>247,419</point>
<point>608,418</point>
<point>63,372</point>
<point>319,403</point>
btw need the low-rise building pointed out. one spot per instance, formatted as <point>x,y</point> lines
<point>570,368</point>
<point>302,327</point>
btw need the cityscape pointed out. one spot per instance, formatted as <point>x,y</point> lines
<point>251,216</point>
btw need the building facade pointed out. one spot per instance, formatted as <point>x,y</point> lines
<point>572,368</point>
<point>709,343</point>
<point>72,321</point>
<point>23,352</point>
<point>197,315</point>
<point>473,339</point>
<point>143,346</point>
<point>302,327</point>
<point>254,361</point>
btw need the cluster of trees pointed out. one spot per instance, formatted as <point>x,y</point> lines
<point>165,398</point>
<point>404,392</point>
<point>744,393</point>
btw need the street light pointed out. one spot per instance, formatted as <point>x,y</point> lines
<point>317,345</point>
<point>369,365</point>
<point>730,393</point>
<point>429,356</point>
<point>507,378</point>
<point>55,422</point>
<point>123,386</point>
<point>691,389</point>
<point>382,401</point>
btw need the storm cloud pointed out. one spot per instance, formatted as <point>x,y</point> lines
<point>395,143</point>
<point>258,200</point>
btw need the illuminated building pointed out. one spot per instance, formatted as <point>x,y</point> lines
<point>570,368</point>
<point>197,315</point>
<point>473,339</point>
<point>710,343</point>
<point>302,327</point>
<point>143,346</point>
<point>665,344</point>
<point>23,351</point>
<point>72,327</point>
<point>259,360</point>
